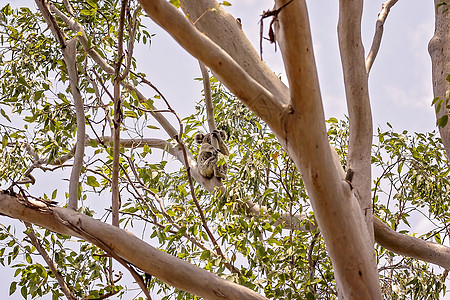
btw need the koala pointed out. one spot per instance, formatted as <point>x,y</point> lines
<point>208,154</point>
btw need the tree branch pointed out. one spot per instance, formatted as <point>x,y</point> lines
<point>385,8</point>
<point>163,266</point>
<point>208,100</point>
<point>255,96</point>
<point>307,144</point>
<point>231,38</point>
<point>131,38</point>
<point>69,54</point>
<point>411,246</point>
<point>358,103</point>
<point>117,119</point>
<point>34,241</point>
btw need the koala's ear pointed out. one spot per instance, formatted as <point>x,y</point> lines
<point>199,137</point>
<point>223,135</point>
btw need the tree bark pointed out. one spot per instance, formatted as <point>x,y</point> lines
<point>223,29</point>
<point>300,127</point>
<point>358,105</point>
<point>69,54</point>
<point>335,206</point>
<point>438,49</point>
<point>410,246</point>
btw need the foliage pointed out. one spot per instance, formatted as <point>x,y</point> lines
<point>82,264</point>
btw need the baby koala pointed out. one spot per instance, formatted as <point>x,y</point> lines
<point>208,154</point>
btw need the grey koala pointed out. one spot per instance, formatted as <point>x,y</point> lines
<point>208,154</point>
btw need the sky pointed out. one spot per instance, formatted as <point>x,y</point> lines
<point>399,83</point>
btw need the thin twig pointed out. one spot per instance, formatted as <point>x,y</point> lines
<point>178,138</point>
<point>193,239</point>
<point>131,38</point>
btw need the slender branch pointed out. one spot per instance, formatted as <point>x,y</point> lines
<point>69,54</point>
<point>68,8</point>
<point>34,241</point>
<point>170,130</point>
<point>38,163</point>
<point>117,119</point>
<point>293,222</point>
<point>311,261</point>
<point>81,127</point>
<point>76,27</point>
<point>208,99</point>
<point>131,38</point>
<point>99,97</point>
<point>385,8</point>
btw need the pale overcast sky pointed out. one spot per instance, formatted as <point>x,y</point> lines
<point>400,80</point>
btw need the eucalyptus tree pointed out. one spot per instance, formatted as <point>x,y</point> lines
<point>298,215</point>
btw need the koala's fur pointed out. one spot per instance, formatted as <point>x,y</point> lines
<point>208,154</point>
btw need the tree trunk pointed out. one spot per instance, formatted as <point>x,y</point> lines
<point>440,62</point>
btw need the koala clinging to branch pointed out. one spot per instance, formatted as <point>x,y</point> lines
<point>208,154</point>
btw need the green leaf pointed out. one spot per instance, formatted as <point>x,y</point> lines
<point>333,120</point>
<point>226,3</point>
<point>23,82</point>
<point>130,113</point>
<point>23,291</point>
<point>93,143</point>
<point>92,181</point>
<point>435,99</point>
<point>4,115</point>
<point>442,121</point>
<point>38,95</point>
<point>175,3</point>
<point>4,141</point>
<point>12,288</point>
<point>205,254</point>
